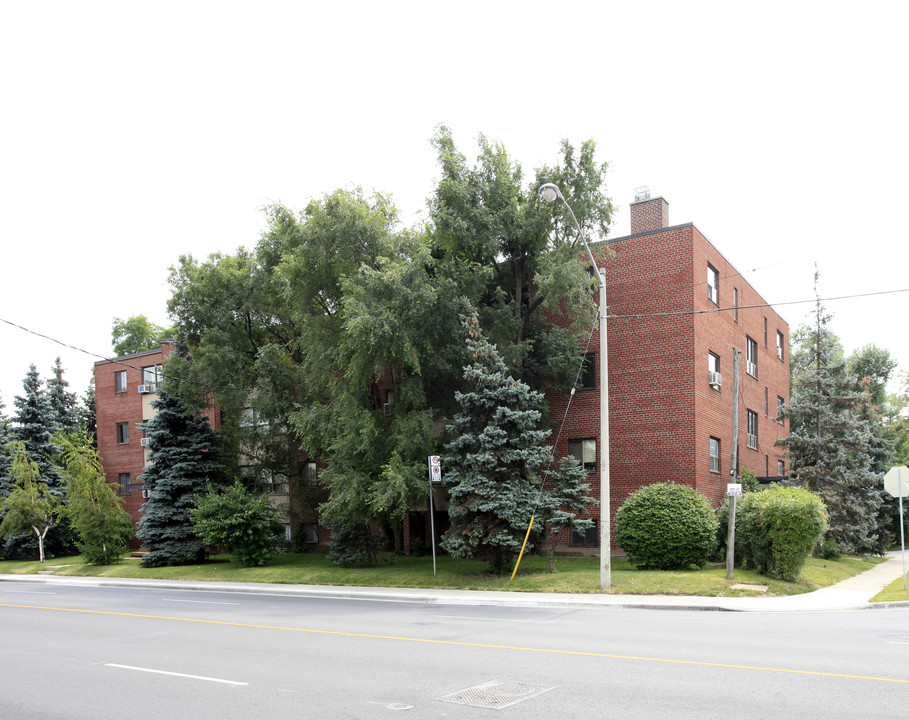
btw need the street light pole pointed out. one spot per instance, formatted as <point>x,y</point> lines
<point>551,193</point>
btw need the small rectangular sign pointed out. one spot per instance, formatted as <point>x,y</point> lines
<point>435,469</point>
<point>734,489</point>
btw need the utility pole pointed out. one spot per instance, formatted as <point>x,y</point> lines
<point>734,463</point>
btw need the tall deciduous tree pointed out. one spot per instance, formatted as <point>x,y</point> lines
<point>31,504</point>
<point>495,458</point>
<point>137,334</point>
<point>830,435</point>
<point>492,235</point>
<point>872,367</point>
<point>183,459</point>
<point>96,513</point>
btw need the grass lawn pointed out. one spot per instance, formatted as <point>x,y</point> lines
<point>572,575</point>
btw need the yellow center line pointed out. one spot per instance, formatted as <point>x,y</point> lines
<point>578,653</point>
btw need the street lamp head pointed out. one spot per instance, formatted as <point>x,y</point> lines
<point>550,193</point>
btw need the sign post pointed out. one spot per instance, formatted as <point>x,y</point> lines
<point>895,484</point>
<point>733,491</point>
<point>435,478</point>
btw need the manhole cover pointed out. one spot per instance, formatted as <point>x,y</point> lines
<point>497,694</point>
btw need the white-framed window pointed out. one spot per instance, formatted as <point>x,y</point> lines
<point>714,454</point>
<point>125,485</point>
<point>585,451</point>
<point>122,433</point>
<point>779,344</point>
<point>780,407</point>
<point>752,431</point>
<point>287,532</point>
<point>153,375</point>
<point>713,371</point>
<point>765,332</point>
<point>751,351</point>
<point>780,468</point>
<point>120,381</point>
<point>713,362</point>
<point>735,304</point>
<point>275,483</point>
<point>713,284</point>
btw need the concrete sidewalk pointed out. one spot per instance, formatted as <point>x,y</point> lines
<point>852,594</point>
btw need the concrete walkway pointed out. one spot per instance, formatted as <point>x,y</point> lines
<point>852,594</point>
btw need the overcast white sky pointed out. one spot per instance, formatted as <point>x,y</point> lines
<point>133,133</point>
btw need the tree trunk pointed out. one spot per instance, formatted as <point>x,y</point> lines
<point>40,536</point>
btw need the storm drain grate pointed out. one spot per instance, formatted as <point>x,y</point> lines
<point>497,694</point>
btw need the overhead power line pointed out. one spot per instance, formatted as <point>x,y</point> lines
<point>745,307</point>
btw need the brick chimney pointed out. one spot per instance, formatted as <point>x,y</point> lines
<point>648,213</point>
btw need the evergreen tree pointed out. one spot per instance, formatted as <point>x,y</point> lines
<point>183,458</point>
<point>85,413</point>
<point>494,460</point>
<point>831,443</point>
<point>565,499</point>
<point>5,460</point>
<point>35,423</point>
<point>63,403</point>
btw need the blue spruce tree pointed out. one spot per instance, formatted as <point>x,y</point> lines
<point>494,462</point>
<point>63,402</point>
<point>832,442</point>
<point>183,458</point>
<point>34,424</point>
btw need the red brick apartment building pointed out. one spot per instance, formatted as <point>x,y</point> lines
<point>124,390</point>
<point>678,311</point>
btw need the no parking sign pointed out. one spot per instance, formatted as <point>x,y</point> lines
<point>435,469</point>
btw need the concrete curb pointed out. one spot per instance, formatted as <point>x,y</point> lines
<point>851,594</point>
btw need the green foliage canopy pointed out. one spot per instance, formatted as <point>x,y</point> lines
<point>235,519</point>
<point>102,526</point>
<point>666,526</point>
<point>777,529</point>
<point>31,505</point>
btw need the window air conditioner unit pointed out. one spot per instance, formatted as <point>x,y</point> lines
<point>143,442</point>
<point>751,368</point>
<point>716,380</point>
<point>751,440</point>
<point>148,388</point>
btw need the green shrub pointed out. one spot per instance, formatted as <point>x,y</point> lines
<point>245,524</point>
<point>353,546</point>
<point>829,549</point>
<point>666,526</point>
<point>778,528</point>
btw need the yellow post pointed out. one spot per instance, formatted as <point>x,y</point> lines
<point>515,571</point>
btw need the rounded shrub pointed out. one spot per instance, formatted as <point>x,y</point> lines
<point>778,528</point>
<point>666,526</point>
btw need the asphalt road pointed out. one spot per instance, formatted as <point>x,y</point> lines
<point>99,652</point>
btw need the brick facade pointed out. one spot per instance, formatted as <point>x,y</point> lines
<point>127,405</point>
<point>663,325</point>
<point>662,329</point>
